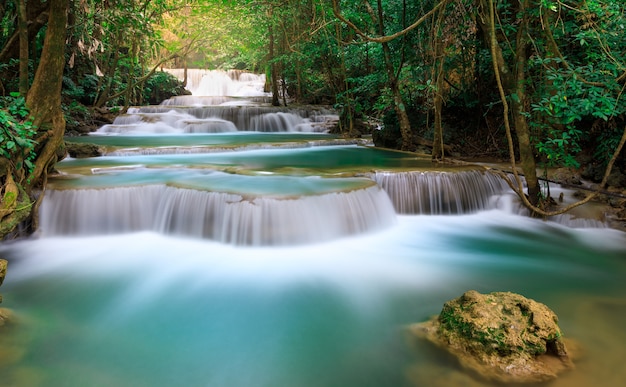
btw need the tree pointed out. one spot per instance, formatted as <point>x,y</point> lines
<point>377,18</point>
<point>548,88</point>
<point>512,83</point>
<point>514,32</point>
<point>44,103</point>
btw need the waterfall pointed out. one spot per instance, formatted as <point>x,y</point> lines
<point>208,125</point>
<point>214,119</point>
<point>433,192</point>
<point>221,101</point>
<point>225,217</point>
<point>191,100</point>
<point>233,83</point>
<point>280,122</point>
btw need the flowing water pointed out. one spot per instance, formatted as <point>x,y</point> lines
<point>248,258</point>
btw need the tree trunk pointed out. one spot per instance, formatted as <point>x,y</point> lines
<point>103,97</point>
<point>44,97</point>
<point>347,115</point>
<point>44,103</point>
<point>392,79</point>
<point>273,66</point>
<point>403,117</point>
<point>514,85</point>
<point>37,16</point>
<point>438,152</point>
<point>23,32</point>
<point>526,149</point>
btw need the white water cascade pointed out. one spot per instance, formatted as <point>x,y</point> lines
<point>428,192</point>
<point>223,217</point>
<point>218,83</point>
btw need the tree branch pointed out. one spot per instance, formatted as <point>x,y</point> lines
<point>145,77</point>
<point>387,38</point>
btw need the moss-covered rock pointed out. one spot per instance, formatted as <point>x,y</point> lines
<point>501,336</point>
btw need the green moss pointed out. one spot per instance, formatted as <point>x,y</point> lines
<point>8,199</point>
<point>18,215</point>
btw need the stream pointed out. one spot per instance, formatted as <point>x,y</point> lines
<point>225,242</point>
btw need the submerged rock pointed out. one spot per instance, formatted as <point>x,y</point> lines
<point>501,336</point>
<point>3,270</point>
<point>3,273</point>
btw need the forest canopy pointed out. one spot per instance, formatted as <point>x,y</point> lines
<point>537,82</point>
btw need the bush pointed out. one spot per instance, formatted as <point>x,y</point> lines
<point>161,86</point>
<point>16,133</point>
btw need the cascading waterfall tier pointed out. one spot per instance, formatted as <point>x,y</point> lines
<point>218,119</point>
<point>432,192</point>
<point>225,217</point>
<point>221,101</point>
<point>192,100</point>
<point>232,83</point>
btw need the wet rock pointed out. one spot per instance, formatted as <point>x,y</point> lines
<point>6,317</point>
<point>13,344</point>
<point>566,176</point>
<point>83,150</point>
<point>592,172</point>
<point>502,337</point>
<point>3,273</point>
<point>3,270</point>
<point>616,179</point>
<point>385,137</point>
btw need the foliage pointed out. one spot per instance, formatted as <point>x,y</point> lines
<point>160,86</point>
<point>16,133</point>
<point>580,73</point>
<point>573,84</point>
<point>214,34</point>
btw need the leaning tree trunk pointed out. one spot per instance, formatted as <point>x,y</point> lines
<point>44,97</point>
<point>44,100</point>
<point>44,103</point>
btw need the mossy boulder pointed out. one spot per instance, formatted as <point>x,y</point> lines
<point>502,336</point>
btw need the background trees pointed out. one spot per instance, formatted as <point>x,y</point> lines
<point>541,76</point>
